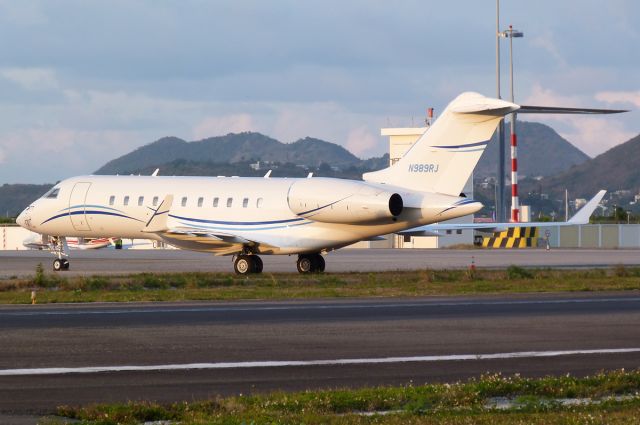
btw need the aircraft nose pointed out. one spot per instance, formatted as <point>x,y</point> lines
<point>20,219</point>
<point>23,219</point>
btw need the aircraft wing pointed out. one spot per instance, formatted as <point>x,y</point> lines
<point>220,243</point>
<point>581,217</point>
<point>204,236</point>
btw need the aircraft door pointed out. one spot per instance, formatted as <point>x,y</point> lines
<point>77,206</point>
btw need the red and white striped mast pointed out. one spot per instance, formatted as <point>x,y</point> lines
<point>515,202</point>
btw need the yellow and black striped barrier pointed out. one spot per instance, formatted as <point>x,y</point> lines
<point>516,237</point>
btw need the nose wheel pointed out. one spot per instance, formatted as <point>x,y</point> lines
<point>247,264</point>
<point>60,264</point>
<point>310,263</point>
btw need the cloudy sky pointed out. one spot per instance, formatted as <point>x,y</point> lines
<point>82,82</point>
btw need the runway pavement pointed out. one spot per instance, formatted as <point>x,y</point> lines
<point>110,261</point>
<point>77,354</point>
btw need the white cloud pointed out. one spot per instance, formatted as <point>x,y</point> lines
<point>632,97</point>
<point>2,156</point>
<point>31,78</point>
<point>592,134</point>
<point>361,140</point>
<point>546,41</point>
<point>220,125</point>
<point>595,135</point>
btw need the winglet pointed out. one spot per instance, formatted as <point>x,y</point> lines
<point>158,221</point>
<point>582,216</point>
<point>155,173</point>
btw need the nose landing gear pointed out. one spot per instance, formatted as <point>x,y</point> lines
<point>59,248</point>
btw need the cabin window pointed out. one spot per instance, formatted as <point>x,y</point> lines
<point>229,202</point>
<point>448,231</point>
<point>155,201</point>
<point>245,202</point>
<point>140,200</point>
<point>215,202</point>
<point>406,238</point>
<point>259,203</point>
<point>112,200</point>
<point>184,201</point>
<point>52,194</point>
<point>458,231</point>
<point>200,201</point>
<point>126,201</point>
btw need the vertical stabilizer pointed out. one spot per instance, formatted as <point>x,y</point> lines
<point>444,157</point>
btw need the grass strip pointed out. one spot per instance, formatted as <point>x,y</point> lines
<point>532,401</point>
<point>56,288</point>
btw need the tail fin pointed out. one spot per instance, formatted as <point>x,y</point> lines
<point>444,157</point>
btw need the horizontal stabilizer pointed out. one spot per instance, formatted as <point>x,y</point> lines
<point>525,109</point>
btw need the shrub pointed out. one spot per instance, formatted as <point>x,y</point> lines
<point>515,272</point>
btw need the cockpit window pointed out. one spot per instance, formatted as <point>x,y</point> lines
<point>52,194</point>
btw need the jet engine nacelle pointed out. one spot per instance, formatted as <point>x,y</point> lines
<point>345,202</point>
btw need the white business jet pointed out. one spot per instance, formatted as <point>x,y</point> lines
<point>247,217</point>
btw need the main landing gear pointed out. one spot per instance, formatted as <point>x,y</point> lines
<point>310,263</point>
<point>247,263</point>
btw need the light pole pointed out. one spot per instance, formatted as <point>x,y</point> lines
<point>515,202</point>
<point>500,134</point>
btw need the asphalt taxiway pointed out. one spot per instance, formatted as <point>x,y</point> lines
<point>76,354</point>
<point>110,261</point>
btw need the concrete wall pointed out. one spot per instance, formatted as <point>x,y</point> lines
<point>593,236</point>
<point>11,237</point>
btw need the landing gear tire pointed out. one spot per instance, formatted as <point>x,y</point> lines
<point>319,263</point>
<point>243,264</point>
<point>257,264</point>
<point>304,264</point>
<point>60,264</point>
<point>246,264</point>
<point>313,263</point>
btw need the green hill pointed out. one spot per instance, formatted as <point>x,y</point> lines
<point>16,197</point>
<point>541,152</point>
<point>616,169</point>
<point>232,148</point>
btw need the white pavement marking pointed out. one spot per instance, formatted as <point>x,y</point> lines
<point>151,309</point>
<point>294,363</point>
